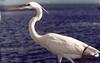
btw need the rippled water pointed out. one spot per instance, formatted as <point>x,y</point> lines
<point>16,46</point>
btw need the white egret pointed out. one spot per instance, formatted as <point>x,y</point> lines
<point>60,45</point>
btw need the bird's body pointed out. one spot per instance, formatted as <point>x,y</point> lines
<point>60,45</point>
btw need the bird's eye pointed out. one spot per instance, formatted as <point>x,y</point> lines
<point>28,4</point>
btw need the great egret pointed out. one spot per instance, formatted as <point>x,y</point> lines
<point>62,46</point>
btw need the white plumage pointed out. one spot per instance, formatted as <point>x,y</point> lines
<point>62,46</point>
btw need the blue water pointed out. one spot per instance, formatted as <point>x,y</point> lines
<point>78,21</point>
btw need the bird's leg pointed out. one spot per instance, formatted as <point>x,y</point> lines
<point>59,59</point>
<point>70,60</point>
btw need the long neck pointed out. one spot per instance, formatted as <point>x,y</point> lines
<point>32,22</point>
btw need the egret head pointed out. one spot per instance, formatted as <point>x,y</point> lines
<point>31,5</point>
<point>38,8</point>
<point>90,51</point>
<point>34,5</point>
